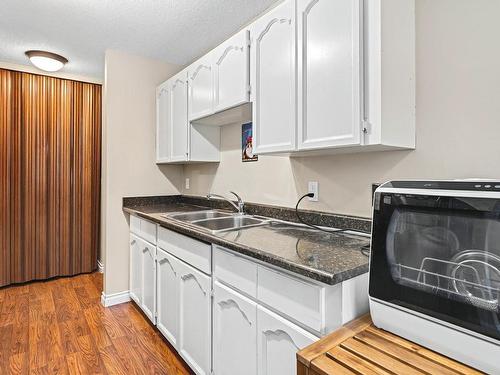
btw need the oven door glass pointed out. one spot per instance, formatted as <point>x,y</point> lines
<point>439,256</point>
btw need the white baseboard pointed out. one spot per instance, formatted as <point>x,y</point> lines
<point>108,300</point>
<point>100,266</point>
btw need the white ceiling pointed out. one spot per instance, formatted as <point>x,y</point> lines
<point>174,31</point>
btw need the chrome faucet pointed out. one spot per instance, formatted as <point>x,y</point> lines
<point>240,207</point>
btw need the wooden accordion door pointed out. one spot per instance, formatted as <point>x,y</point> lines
<point>50,160</point>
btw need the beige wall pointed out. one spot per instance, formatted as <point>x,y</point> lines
<point>129,167</point>
<point>458,123</point>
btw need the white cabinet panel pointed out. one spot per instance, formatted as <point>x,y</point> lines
<point>299,299</point>
<point>194,252</point>
<point>278,342</point>
<point>179,117</point>
<point>167,305</point>
<point>163,124</point>
<point>200,87</point>
<point>236,271</point>
<point>135,225</point>
<point>148,263</point>
<point>195,319</point>
<point>135,288</point>
<point>231,72</point>
<point>329,87</point>
<point>273,72</point>
<point>235,333</point>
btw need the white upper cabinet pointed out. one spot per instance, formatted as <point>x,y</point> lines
<point>178,141</point>
<point>310,73</point>
<point>389,71</point>
<point>178,117</point>
<point>231,72</point>
<point>329,66</point>
<point>163,124</point>
<point>273,78</point>
<point>200,78</point>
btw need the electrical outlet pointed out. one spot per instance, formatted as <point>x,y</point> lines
<point>313,187</point>
<point>187,183</point>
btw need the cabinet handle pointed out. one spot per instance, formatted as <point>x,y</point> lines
<point>280,333</point>
<point>165,260</point>
<point>191,276</point>
<point>133,242</point>
<point>232,303</point>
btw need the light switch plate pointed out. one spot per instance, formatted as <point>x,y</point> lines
<point>313,187</point>
<point>187,183</point>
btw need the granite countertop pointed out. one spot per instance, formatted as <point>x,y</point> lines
<point>328,258</point>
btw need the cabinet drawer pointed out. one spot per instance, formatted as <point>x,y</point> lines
<point>196,253</point>
<point>300,300</point>
<point>235,271</point>
<point>135,225</point>
<point>143,228</point>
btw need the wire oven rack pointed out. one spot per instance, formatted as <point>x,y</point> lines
<point>475,292</point>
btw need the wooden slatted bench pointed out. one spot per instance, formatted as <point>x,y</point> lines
<point>361,348</point>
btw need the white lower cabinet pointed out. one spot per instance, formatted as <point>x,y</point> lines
<point>135,270</point>
<point>148,262</point>
<point>229,314</point>
<point>234,333</point>
<point>167,306</point>
<point>278,341</point>
<point>195,312</point>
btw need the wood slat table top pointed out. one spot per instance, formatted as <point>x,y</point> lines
<point>361,348</point>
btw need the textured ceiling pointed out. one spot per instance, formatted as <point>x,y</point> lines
<point>174,31</point>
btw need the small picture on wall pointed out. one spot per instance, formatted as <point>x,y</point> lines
<point>246,143</point>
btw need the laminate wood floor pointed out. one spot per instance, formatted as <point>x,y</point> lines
<point>60,327</point>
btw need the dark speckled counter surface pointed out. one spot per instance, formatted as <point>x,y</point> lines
<point>329,258</point>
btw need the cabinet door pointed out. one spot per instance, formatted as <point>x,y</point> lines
<point>148,254</point>
<point>163,128</point>
<point>235,333</point>
<point>273,71</point>
<point>195,319</point>
<point>178,118</point>
<point>329,89</point>
<point>231,64</point>
<point>278,342</point>
<point>200,88</point>
<point>135,281</point>
<point>167,302</point>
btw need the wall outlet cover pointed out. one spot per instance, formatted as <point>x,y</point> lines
<point>313,187</point>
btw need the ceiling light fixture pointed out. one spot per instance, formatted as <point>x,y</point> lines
<point>48,61</point>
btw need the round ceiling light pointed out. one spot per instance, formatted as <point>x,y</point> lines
<point>48,61</point>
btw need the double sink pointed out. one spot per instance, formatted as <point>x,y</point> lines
<point>216,221</point>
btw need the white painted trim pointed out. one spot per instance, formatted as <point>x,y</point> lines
<point>115,298</point>
<point>100,266</point>
<point>63,75</point>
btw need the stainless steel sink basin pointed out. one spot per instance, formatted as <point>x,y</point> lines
<point>231,223</point>
<point>198,215</point>
<point>218,221</point>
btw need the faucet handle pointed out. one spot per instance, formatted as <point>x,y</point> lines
<point>237,196</point>
<point>241,204</point>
